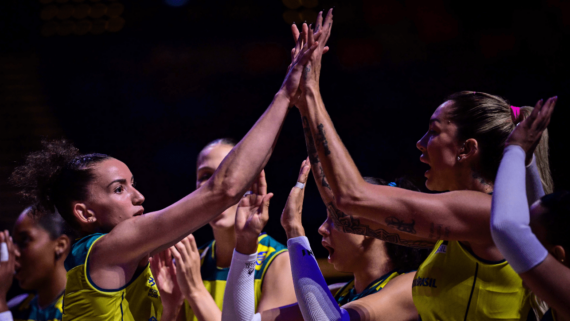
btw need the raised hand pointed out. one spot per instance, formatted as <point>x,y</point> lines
<point>306,45</point>
<point>293,211</point>
<point>164,273</point>
<point>528,133</point>
<point>188,273</point>
<point>251,216</point>
<point>6,267</point>
<point>321,33</point>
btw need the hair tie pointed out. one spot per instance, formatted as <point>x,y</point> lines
<point>516,111</point>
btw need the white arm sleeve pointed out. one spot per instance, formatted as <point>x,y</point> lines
<point>6,316</point>
<point>510,215</point>
<point>534,190</point>
<point>315,300</point>
<point>239,296</point>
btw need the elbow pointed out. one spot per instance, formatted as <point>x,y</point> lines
<point>345,202</point>
<point>226,191</point>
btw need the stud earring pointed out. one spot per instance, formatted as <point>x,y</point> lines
<point>458,158</point>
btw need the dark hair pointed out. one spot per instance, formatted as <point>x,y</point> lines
<point>402,257</point>
<point>52,223</point>
<point>557,219</point>
<point>56,176</point>
<point>490,120</point>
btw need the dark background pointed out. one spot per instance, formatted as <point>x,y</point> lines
<point>173,78</point>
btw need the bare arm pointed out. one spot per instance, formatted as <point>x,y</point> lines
<point>116,255</point>
<point>393,302</point>
<point>550,281</point>
<point>277,289</point>
<point>399,214</point>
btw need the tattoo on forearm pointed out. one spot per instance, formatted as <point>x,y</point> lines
<point>311,147</point>
<point>348,224</point>
<point>399,224</point>
<point>438,232</point>
<point>324,181</point>
<point>322,139</point>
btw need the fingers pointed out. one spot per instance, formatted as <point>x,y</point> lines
<point>262,183</point>
<point>265,208</point>
<point>295,32</point>
<point>305,33</point>
<point>325,49</point>
<point>311,38</point>
<point>304,172</point>
<point>546,112</point>
<point>319,23</point>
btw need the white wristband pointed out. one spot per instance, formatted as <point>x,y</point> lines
<point>4,255</point>
<point>300,185</point>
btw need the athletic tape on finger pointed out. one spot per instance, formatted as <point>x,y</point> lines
<point>4,255</point>
<point>300,185</point>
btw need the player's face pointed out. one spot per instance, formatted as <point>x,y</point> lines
<point>113,197</point>
<point>35,254</point>
<point>208,161</point>
<point>439,147</point>
<point>346,250</point>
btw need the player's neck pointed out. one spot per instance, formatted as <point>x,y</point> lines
<point>52,288</point>
<point>225,245</point>
<point>372,268</point>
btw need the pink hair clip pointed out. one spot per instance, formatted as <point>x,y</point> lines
<point>516,111</point>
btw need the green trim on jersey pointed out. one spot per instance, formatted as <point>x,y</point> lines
<point>215,277</point>
<point>29,310</point>
<point>348,294</point>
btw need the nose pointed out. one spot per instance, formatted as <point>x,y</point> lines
<point>325,228</point>
<point>421,144</point>
<point>138,197</point>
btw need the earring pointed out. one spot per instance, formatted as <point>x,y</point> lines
<point>458,158</point>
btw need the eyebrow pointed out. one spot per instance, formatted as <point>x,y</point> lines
<point>121,180</point>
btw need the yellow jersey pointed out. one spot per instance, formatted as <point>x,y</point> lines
<point>29,310</point>
<point>348,294</point>
<point>83,300</point>
<point>454,284</point>
<point>215,277</point>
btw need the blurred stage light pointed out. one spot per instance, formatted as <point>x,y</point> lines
<point>309,3</point>
<point>115,9</point>
<point>98,10</point>
<point>65,28</point>
<point>176,3</point>
<point>49,28</point>
<point>65,12</point>
<point>49,12</point>
<point>82,27</point>
<point>98,27</point>
<point>115,24</point>
<point>81,11</point>
<point>292,16</point>
<point>309,15</point>
<point>292,4</point>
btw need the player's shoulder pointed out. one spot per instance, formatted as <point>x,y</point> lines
<point>80,250</point>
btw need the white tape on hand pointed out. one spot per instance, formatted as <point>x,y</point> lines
<point>300,185</point>
<point>4,255</point>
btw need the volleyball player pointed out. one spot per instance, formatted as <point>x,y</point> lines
<point>108,274</point>
<point>465,276</point>
<point>202,273</point>
<point>37,258</point>
<point>539,254</point>
<point>382,271</point>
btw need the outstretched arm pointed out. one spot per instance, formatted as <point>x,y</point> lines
<point>401,216</point>
<point>116,255</point>
<point>541,272</point>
